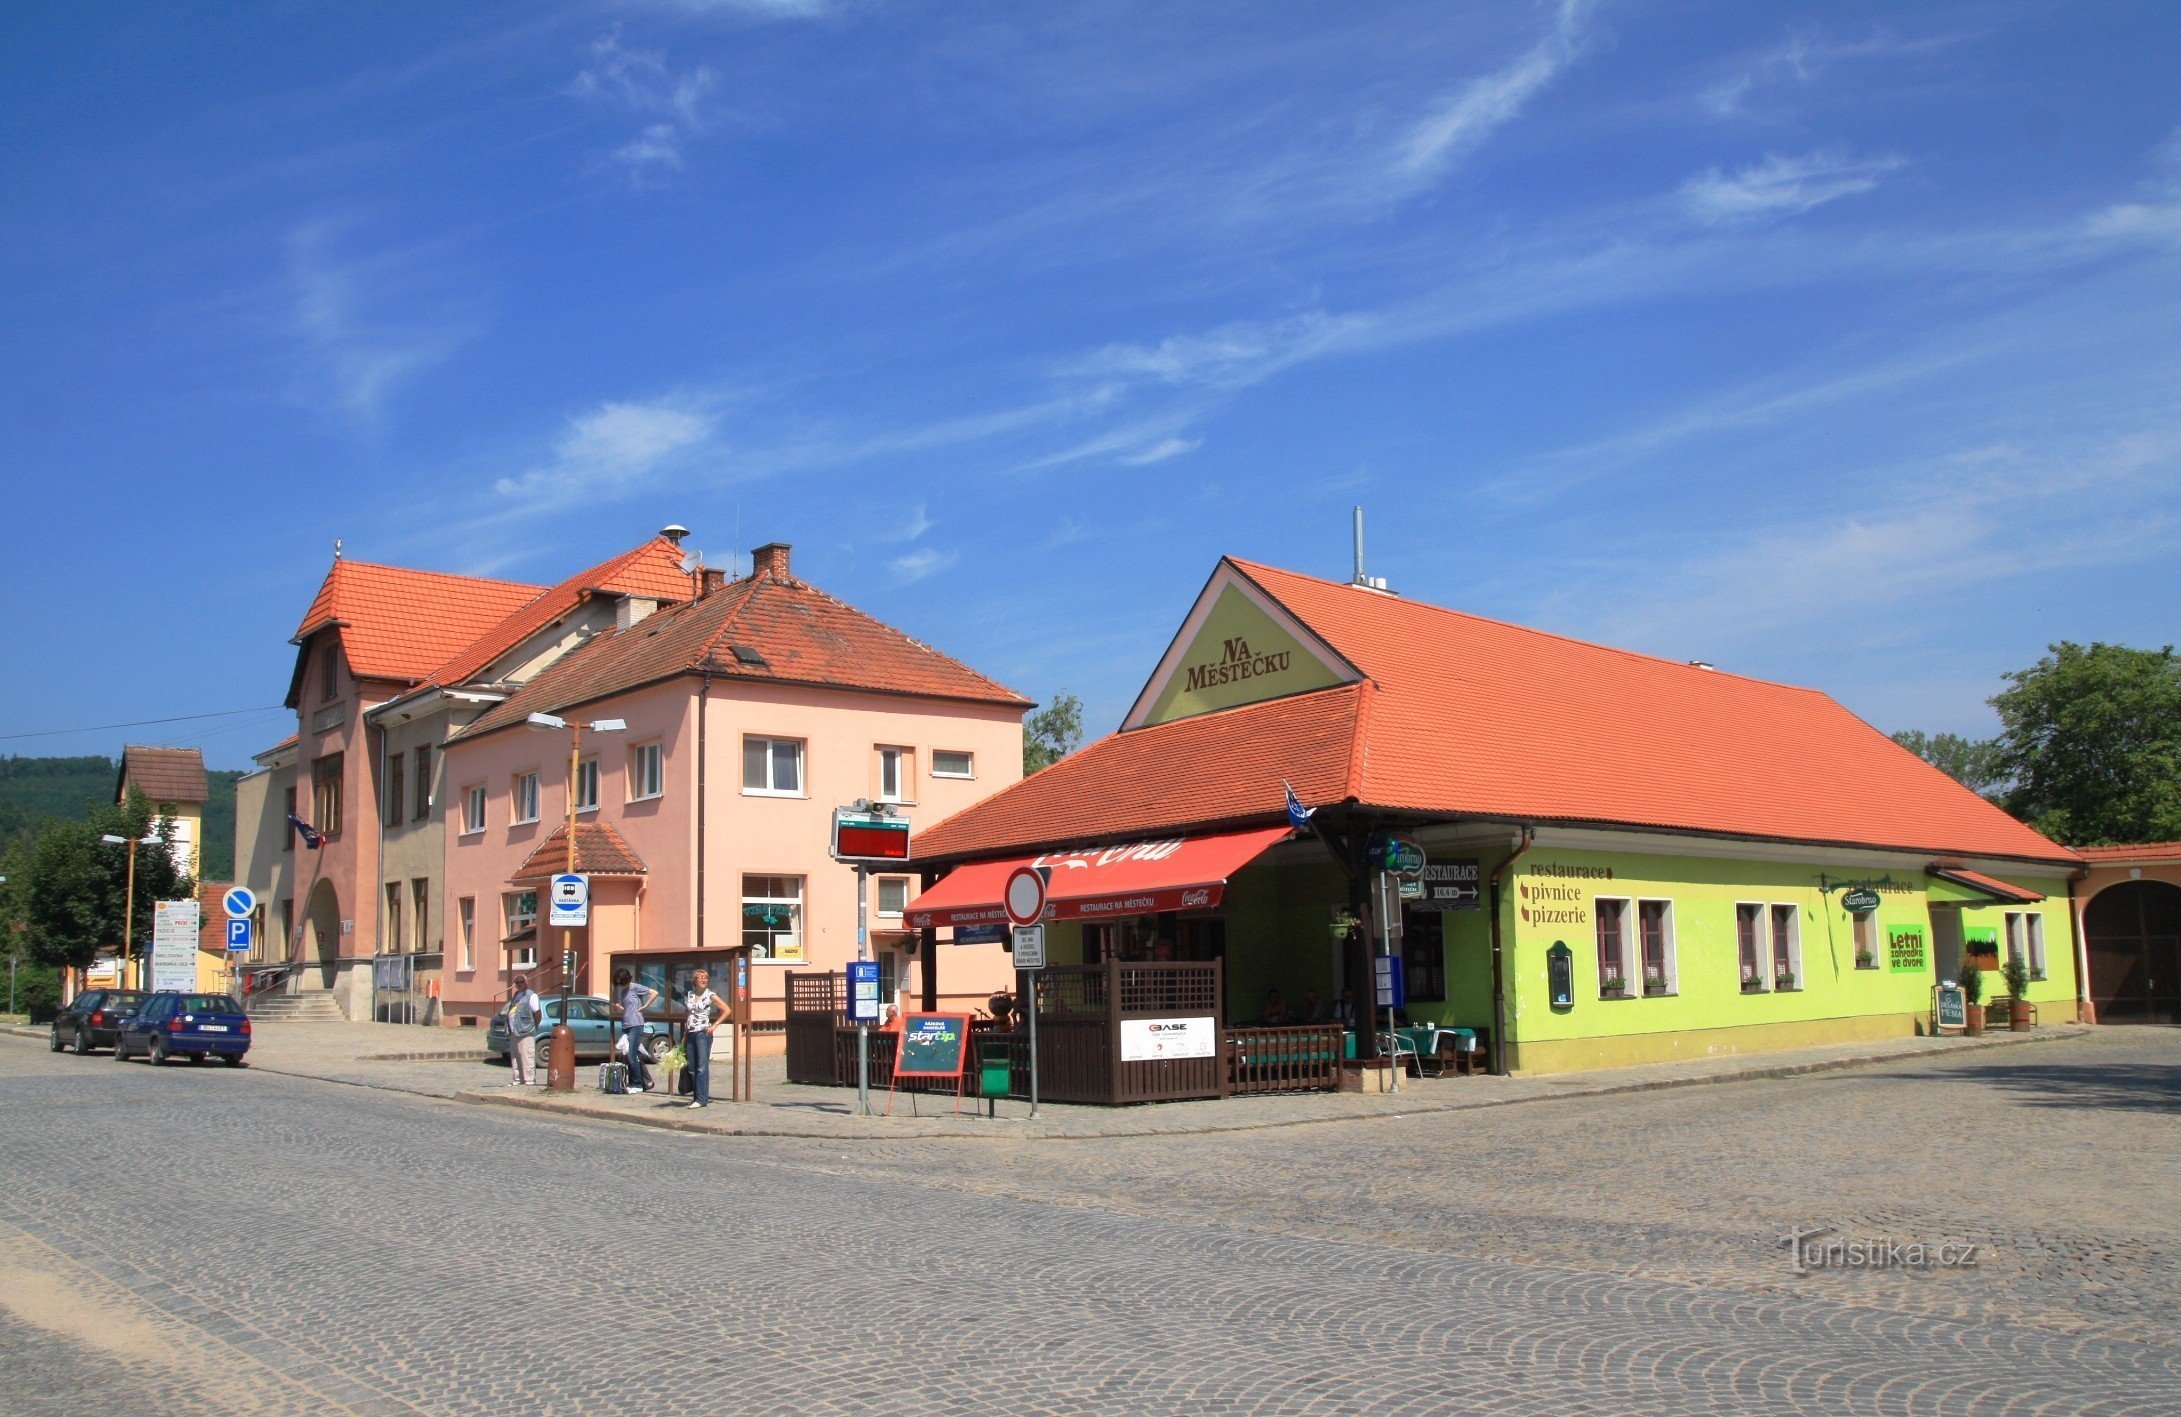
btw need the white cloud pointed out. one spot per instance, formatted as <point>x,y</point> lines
<point>753,9</point>
<point>2157,217</point>
<point>607,450</point>
<point>1802,57</point>
<point>1161,451</point>
<point>641,82</point>
<point>1231,356</point>
<point>340,308</point>
<point>1485,104</point>
<point>1782,186</point>
<point>918,564</point>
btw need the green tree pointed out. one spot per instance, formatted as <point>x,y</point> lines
<point>1052,733</point>
<point>1974,763</point>
<point>76,883</point>
<point>2091,741</point>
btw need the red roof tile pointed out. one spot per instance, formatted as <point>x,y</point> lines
<point>652,570</point>
<point>212,916</point>
<point>1990,885</point>
<point>764,629</point>
<point>600,851</point>
<point>1463,716</point>
<point>400,624</point>
<point>162,774</point>
<point>2134,851</point>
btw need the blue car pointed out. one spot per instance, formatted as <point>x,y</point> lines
<point>591,1019</point>
<point>193,1026</point>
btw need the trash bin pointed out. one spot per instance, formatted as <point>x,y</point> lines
<point>995,1068</point>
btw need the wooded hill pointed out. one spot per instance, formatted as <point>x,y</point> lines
<point>34,791</point>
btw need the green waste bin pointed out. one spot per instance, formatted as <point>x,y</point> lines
<point>995,1070</point>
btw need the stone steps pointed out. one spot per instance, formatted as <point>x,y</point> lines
<point>312,1006</point>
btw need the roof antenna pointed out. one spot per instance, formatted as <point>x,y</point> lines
<point>336,548</point>
<point>1361,579</point>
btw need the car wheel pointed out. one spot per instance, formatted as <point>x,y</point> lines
<point>158,1053</point>
<point>233,1060</point>
<point>121,1051</point>
<point>55,1046</point>
<point>83,1042</point>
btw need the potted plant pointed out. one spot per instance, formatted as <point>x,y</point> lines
<point>1785,979</point>
<point>1612,988</point>
<point>1864,959</point>
<point>1751,984</point>
<point>1653,983</point>
<point>1972,999</point>
<point>2017,975</point>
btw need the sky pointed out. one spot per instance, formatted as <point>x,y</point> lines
<point>1830,344</point>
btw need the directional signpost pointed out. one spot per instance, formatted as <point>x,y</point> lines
<point>1024,900</point>
<point>864,833</point>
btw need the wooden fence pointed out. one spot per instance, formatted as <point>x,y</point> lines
<point>1299,1058</point>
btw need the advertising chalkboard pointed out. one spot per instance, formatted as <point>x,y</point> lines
<point>932,1046</point>
<point>1949,1008</point>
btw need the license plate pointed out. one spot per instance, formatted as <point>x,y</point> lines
<point>212,1027</point>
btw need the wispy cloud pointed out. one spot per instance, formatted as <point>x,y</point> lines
<point>2156,214</point>
<point>919,564</point>
<point>752,9</point>
<point>1160,451</point>
<point>342,307</point>
<point>1801,58</point>
<point>642,83</point>
<point>1782,186</point>
<point>606,451</point>
<point>1485,104</point>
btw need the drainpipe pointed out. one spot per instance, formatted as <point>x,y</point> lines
<point>704,701</point>
<point>1499,965</point>
<point>2085,1011</point>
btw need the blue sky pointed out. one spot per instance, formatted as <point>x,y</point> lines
<point>1831,344</point>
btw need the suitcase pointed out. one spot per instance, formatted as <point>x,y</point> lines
<point>613,1078</point>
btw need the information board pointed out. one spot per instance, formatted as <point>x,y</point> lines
<point>1905,949</point>
<point>863,991</point>
<point>932,1046</point>
<point>1452,885</point>
<point>1951,1008</point>
<point>174,945</point>
<point>1146,1039</point>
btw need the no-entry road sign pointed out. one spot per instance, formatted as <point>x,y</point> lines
<point>1024,898</point>
<point>238,902</point>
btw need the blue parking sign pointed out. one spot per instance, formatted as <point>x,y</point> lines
<point>238,937</point>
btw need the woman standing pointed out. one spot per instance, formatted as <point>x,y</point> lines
<point>635,998</point>
<point>705,1011</point>
<point>523,1013</point>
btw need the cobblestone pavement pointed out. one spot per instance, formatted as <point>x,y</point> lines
<point>204,1240</point>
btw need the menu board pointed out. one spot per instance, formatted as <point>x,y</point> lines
<point>932,1045</point>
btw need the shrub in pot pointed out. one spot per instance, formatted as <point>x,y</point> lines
<point>1972,999</point>
<point>2017,975</point>
<point>1612,987</point>
<point>1785,979</point>
<point>1864,959</point>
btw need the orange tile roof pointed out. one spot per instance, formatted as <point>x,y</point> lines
<point>1462,716</point>
<point>652,570</point>
<point>400,624</point>
<point>797,633</point>
<point>2132,851</point>
<point>162,774</point>
<point>1990,885</point>
<point>600,851</point>
<point>212,916</point>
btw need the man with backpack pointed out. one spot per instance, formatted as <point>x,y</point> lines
<point>524,1013</point>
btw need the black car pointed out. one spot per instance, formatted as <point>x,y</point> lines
<point>90,1022</point>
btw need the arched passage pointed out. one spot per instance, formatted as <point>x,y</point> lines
<point>2132,932</point>
<point>324,921</point>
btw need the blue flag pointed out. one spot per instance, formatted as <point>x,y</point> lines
<point>1298,816</point>
<point>312,838</point>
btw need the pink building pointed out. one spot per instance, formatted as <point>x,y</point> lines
<point>750,713</point>
<point>2128,907</point>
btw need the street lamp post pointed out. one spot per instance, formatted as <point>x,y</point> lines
<point>128,908</point>
<point>560,1067</point>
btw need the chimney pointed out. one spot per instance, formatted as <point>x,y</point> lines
<point>770,561</point>
<point>631,608</point>
<point>709,579</point>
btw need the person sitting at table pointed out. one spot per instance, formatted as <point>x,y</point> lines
<point>1275,1009</point>
<point>1344,1010</point>
<point>1313,1009</point>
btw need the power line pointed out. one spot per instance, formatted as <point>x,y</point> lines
<point>139,723</point>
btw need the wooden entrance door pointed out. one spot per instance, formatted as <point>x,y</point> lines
<point>2132,933</point>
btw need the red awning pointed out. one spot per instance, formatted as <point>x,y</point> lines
<point>1139,878</point>
<point>1992,886</point>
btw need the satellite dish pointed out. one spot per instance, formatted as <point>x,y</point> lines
<point>690,564</point>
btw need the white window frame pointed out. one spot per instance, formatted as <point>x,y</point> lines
<point>525,787</point>
<point>473,809</point>
<point>802,766</point>
<point>800,900</point>
<point>2026,940</point>
<point>466,911</point>
<point>1670,954</point>
<point>1794,945</point>
<point>900,883</point>
<point>1762,938</point>
<point>1620,907</point>
<point>647,771</point>
<point>586,784</point>
<point>903,761</point>
<point>969,763</point>
<point>512,924</point>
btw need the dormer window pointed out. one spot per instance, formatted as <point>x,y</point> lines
<point>329,670</point>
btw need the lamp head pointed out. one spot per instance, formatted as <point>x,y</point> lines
<point>609,725</point>
<point>112,840</point>
<point>546,720</point>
